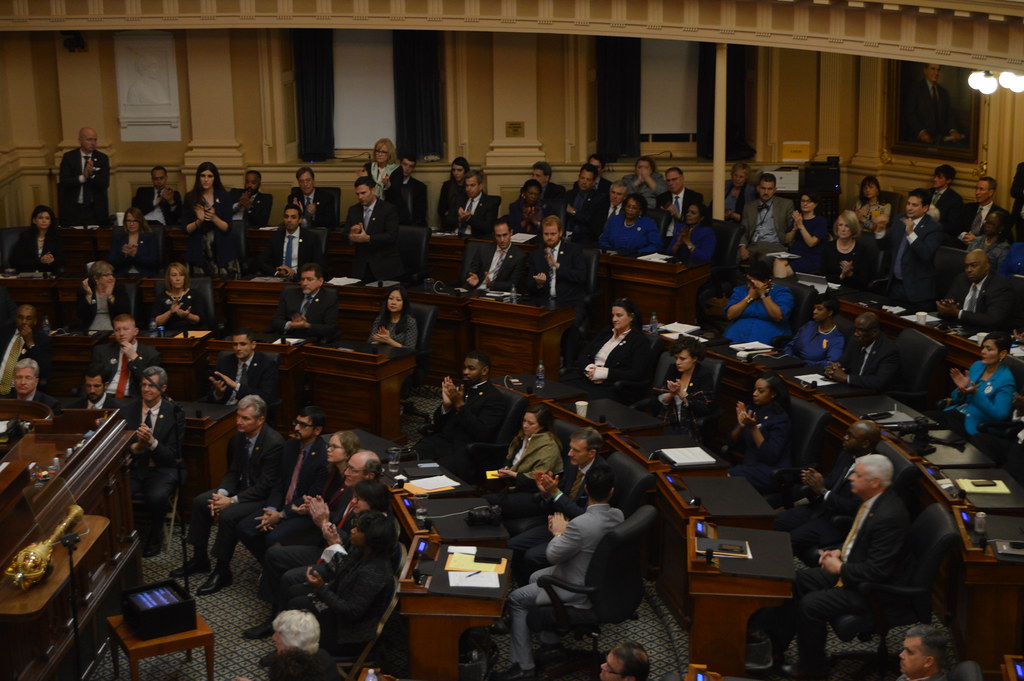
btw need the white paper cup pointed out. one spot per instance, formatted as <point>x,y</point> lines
<point>120,218</point>
<point>581,408</point>
<point>922,317</point>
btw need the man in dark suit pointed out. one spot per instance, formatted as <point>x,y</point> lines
<point>160,204</point>
<point>948,202</point>
<point>94,389</point>
<point>159,426</point>
<point>558,270</point>
<point>475,217</point>
<point>978,298</point>
<point>246,372</point>
<point>309,311</point>
<point>872,552</point>
<point>84,180</point>
<point>678,198</point>
<point>975,214</point>
<point>498,266</point>
<point>303,473</point>
<point>255,455</point>
<point>812,525</point>
<point>289,247</point>
<point>765,222</point>
<point>372,227</point>
<point>26,386</point>
<point>582,207</point>
<point>126,357</point>
<point>563,494</point>
<point>913,240</point>
<point>319,208</point>
<point>250,206</point>
<point>471,411</point>
<point>23,340</point>
<point>549,190</point>
<point>872,361</point>
<point>928,113</point>
<point>408,194</point>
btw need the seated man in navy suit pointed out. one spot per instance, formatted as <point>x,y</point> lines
<point>289,247</point>
<point>309,311</point>
<point>251,207</point>
<point>246,372</point>
<point>872,361</point>
<point>26,385</point>
<point>160,204</point>
<point>95,379</point>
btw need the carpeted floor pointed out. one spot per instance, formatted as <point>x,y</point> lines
<point>235,608</point>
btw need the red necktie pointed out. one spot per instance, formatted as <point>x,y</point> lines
<point>344,516</point>
<point>295,479</point>
<point>122,382</point>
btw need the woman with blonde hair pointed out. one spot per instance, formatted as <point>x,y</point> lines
<point>134,251</point>
<point>843,260</point>
<point>178,308</point>
<point>383,165</point>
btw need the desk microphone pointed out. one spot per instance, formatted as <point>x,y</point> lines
<point>709,556</point>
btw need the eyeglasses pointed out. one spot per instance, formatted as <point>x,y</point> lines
<point>332,446</point>
<point>302,424</point>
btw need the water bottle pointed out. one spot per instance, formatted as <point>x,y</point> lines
<point>45,328</point>
<point>371,675</point>
<point>514,297</point>
<point>540,375</point>
<point>152,328</point>
<point>654,326</point>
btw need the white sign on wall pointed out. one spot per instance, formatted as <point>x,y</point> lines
<point>147,86</point>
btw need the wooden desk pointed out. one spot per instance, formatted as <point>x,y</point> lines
<point>617,418</point>
<point>445,254</point>
<point>1012,668</point>
<point>359,390</point>
<point>206,446</point>
<point>517,337</point>
<point>291,376</point>
<point>37,292</point>
<point>670,289</point>
<point>251,303</point>
<point>136,649</point>
<point>184,360</point>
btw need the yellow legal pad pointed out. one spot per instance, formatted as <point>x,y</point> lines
<point>464,562</point>
<point>409,487</point>
<point>969,486</point>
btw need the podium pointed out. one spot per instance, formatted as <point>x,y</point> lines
<point>517,337</point>
<point>670,289</point>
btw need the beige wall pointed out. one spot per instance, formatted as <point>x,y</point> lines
<point>237,108</point>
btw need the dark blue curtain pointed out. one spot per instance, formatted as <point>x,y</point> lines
<point>314,92</point>
<point>618,97</point>
<point>736,146</point>
<point>417,92</point>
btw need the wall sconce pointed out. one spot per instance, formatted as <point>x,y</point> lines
<point>986,82</point>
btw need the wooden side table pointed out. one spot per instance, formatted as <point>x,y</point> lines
<point>136,649</point>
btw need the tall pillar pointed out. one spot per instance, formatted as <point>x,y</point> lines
<point>870,112</point>
<point>211,102</point>
<point>514,75</point>
<point>718,161</point>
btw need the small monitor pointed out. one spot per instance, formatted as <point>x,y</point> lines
<point>700,529</point>
<point>1019,669</point>
<point>699,676</point>
<point>154,598</point>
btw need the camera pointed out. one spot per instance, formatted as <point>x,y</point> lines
<point>483,516</point>
<point>919,426</point>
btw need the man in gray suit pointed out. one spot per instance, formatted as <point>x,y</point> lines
<point>569,553</point>
<point>766,221</point>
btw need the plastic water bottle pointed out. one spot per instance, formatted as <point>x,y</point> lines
<point>654,326</point>
<point>152,328</point>
<point>540,374</point>
<point>371,675</point>
<point>514,297</point>
<point>45,328</point>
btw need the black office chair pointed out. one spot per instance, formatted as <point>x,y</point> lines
<point>320,248</point>
<point>1017,316</point>
<point>592,257</point>
<point>131,288</point>
<point>705,423</point>
<point>803,303</point>
<point>919,359</point>
<point>632,482</point>
<point>663,219</point>
<point>873,262</point>
<point>555,207</point>
<point>949,262</point>
<point>968,670</point>
<point>628,392</point>
<point>426,320</point>
<point>726,257</point>
<point>8,238</point>
<point>907,598</point>
<point>613,584</point>
<point>472,248</point>
<point>413,243</point>
<point>805,435</point>
<point>202,287</point>
<point>237,232</point>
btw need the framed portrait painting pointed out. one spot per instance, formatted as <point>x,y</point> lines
<point>934,112</point>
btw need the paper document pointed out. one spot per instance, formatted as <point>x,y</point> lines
<point>913,318</point>
<point>435,482</point>
<point>817,378</point>
<point>343,281</point>
<point>752,346</point>
<point>492,475</point>
<point>676,335</point>
<point>522,237</point>
<point>192,334</point>
<point>269,228</point>
<point>680,327</point>
<point>687,456</point>
<point>655,257</point>
<point>479,580</point>
<point>291,341</point>
<point>894,309</point>
<point>471,550</point>
<point>783,255</point>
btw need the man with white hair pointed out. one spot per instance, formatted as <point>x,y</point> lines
<point>26,385</point>
<point>298,631</point>
<point>871,552</point>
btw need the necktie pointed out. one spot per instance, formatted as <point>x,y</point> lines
<point>122,381</point>
<point>288,251</point>
<point>344,516</point>
<point>976,224</point>
<point>471,205</point>
<point>86,196</point>
<point>972,299</point>
<point>305,304</point>
<point>575,489</point>
<point>243,481</point>
<point>7,380</point>
<point>679,205</point>
<point>864,364</point>
<point>149,419</point>
<point>366,217</point>
<point>897,263</point>
<point>578,203</point>
<point>295,478</point>
<point>852,536</point>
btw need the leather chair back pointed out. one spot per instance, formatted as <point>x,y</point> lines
<point>808,428</point>
<point>632,482</point>
<point>413,243</point>
<point>426,320</point>
<point>8,238</point>
<point>919,359</point>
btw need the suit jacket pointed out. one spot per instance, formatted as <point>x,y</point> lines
<point>195,303</point>
<point>312,474</point>
<point>995,303</point>
<point>570,280</point>
<point>322,313</point>
<point>109,354</point>
<point>87,311</point>
<point>143,200</point>
<point>146,259</point>
<point>169,431</point>
<point>951,209</point>
<point>377,259</point>
<point>258,214</point>
<point>570,506</point>
<point>570,553</point>
<point>109,402</point>
<point>41,350</point>
<point>879,548</point>
<point>224,250</point>
<point>260,379</point>
<point>95,187</point>
<point>667,199</point>
<point>25,258</point>
<point>510,274</point>
<point>626,362</point>
<point>967,217</point>
<point>552,191</point>
<point>839,500</point>
<point>921,114</point>
<point>417,213</point>
<point>264,468</point>
<point>477,421</point>
<point>326,207</point>
<point>273,254</point>
<point>598,220</point>
<point>918,257</point>
<point>42,398</point>
<point>782,211</point>
<point>481,223</point>
<point>881,369</point>
<point>582,223</point>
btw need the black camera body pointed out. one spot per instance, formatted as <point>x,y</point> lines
<point>483,516</point>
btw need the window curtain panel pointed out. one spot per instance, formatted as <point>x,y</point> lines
<point>736,146</point>
<point>618,96</point>
<point>314,92</point>
<point>417,93</point>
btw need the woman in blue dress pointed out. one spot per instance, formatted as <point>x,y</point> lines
<point>632,232</point>
<point>819,341</point>
<point>985,391</point>
<point>758,310</point>
<point>806,238</point>
<point>695,241</point>
<point>762,434</point>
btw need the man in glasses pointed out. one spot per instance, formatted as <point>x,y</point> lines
<point>626,662</point>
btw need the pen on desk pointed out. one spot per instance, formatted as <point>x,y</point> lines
<point>473,574</point>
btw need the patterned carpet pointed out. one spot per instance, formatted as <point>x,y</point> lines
<point>235,608</point>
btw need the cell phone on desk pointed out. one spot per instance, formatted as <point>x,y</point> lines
<point>983,483</point>
<point>877,415</point>
<point>487,559</point>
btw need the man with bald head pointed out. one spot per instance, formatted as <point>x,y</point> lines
<point>978,298</point>
<point>872,362</point>
<point>84,180</point>
<point>21,339</point>
<point>811,526</point>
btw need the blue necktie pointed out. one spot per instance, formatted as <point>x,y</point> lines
<point>288,251</point>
